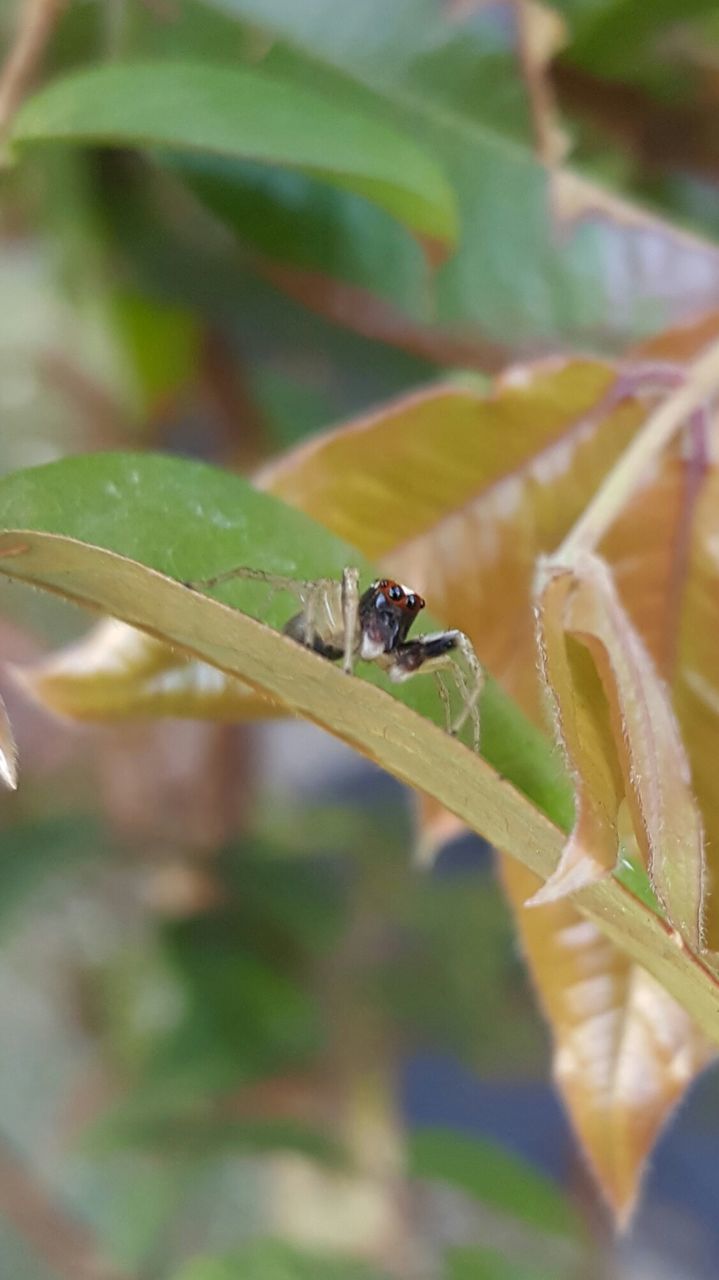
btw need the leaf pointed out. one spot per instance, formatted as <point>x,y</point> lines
<point>116,673</point>
<point>8,750</point>
<point>185,518</point>
<point>487,1172</point>
<point>541,258</point>
<point>622,740</point>
<point>625,1051</point>
<point>239,113</point>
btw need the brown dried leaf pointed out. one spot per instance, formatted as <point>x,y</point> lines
<point>625,1051</point>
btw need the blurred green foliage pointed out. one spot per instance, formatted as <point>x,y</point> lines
<point>188,1022</point>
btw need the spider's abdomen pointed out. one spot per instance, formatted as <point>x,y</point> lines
<point>298,629</point>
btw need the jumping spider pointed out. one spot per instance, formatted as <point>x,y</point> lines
<point>338,621</point>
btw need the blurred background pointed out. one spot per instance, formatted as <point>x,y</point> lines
<point>242,1035</point>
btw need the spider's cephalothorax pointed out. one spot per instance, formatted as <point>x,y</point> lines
<point>337,621</point>
<point>386,613</point>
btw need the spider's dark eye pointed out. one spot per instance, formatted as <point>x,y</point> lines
<point>412,601</point>
<point>395,593</point>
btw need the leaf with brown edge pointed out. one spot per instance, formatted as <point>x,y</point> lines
<point>8,750</point>
<point>625,1051</point>
<point>616,724</point>
<point>115,672</point>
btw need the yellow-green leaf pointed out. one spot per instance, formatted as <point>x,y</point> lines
<point>116,672</point>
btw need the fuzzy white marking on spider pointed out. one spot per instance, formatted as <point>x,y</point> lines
<point>338,621</point>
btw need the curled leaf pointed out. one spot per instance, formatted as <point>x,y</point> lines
<point>616,724</point>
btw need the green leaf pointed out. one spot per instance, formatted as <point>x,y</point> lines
<point>530,265</point>
<point>489,1173</point>
<point>272,1260</point>
<point>190,521</point>
<point>633,875</point>
<point>216,111</point>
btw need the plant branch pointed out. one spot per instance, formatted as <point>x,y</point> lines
<point>407,745</point>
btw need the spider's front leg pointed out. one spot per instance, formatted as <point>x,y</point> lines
<point>350,616</point>
<point>445,651</point>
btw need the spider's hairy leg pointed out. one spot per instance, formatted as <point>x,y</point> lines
<point>451,652</point>
<point>470,687</point>
<point>350,616</point>
<point>444,699</point>
<point>275,581</point>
